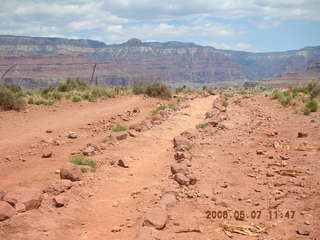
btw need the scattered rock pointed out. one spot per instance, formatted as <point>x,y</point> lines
<point>6,211</point>
<point>260,152</point>
<point>147,233</point>
<point>49,131</point>
<point>89,150</point>
<point>181,179</point>
<point>178,168</point>
<point>133,133</point>
<point>121,163</point>
<point>116,229</point>
<point>137,127</point>
<point>71,172</point>
<point>47,155</point>
<point>302,230</point>
<point>72,135</point>
<point>189,134</point>
<point>59,187</point>
<point>20,207</point>
<point>181,156</point>
<point>182,141</point>
<point>119,135</point>
<point>60,201</point>
<point>30,197</point>
<point>302,135</point>
<point>156,217</point>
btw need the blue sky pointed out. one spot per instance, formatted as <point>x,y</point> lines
<point>249,25</point>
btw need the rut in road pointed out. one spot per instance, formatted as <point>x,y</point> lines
<point>121,196</point>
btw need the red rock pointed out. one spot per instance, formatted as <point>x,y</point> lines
<point>119,136</point>
<point>181,179</point>
<point>30,197</point>
<point>147,233</point>
<point>178,168</point>
<point>181,156</point>
<point>6,211</point>
<point>182,141</point>
<point>156,217</point>
<point>60,201</point>
<point>136,127</point>
<point>71,172</point>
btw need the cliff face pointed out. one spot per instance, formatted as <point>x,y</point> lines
<point>175,63</point>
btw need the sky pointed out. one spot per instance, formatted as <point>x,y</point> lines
<point>246,25</point>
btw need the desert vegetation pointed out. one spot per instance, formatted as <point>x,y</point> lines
<point>304,98</point>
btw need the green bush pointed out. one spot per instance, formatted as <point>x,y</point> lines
<point>82,160</point>
<point>158,109</point>
<point>76,99</point>
<point>119,128</point>
<point>202,125</point>
<point>9,99</point>
<point>158,90</point>
<point>152,90</point>
<point>312,105</point>
<point>306,111</point>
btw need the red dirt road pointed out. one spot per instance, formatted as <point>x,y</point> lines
<point>237,164</point>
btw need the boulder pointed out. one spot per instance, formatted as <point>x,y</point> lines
<point>182,179</point>
<point>71,172</point>
<point>30,197</point>
<point>137,127</point>
<point>60,201</point>
<point>156,217</point>
<point>181,141</point>
<point>147,233</point>
<point>119,136</point>
<point>6,211</point>
<point>178,168</point>
<point>181,156</point>
<point>72,135</point>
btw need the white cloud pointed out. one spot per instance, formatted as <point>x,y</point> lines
<point>221,45</point>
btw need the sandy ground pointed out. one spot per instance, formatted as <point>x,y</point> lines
<point>237,165</point>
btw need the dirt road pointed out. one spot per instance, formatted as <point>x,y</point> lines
<point>240,158</point>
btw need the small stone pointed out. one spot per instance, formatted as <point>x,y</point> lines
<point>260,152</point>
<point>116,229</point>
<point>121,163</point>
<point>71,172</point>
<point>60,201</point>
<point>156,217</point>
<point>119,136</point>
<point>47,155</point>
<point>72,135</point>
<point>302,135</point>
<point>303,231</point>
<point>20,207</point>
<point>6,211</point>
<point>30,197</point>
<point>181,179</point>
<point>49,131</point>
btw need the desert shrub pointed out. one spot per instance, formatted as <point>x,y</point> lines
<point>119,128</point>
<point>140,88</point>
<point>225,103</point>
<point>15,88</point>
<point>312,105</point>
<point>202,125</point>
<point>306,111</point>
<point>10,99</point>
<point>70,85</point>
<point>152,89</point>
<point>158,109</point>
<point>158,90</point>
<point>82,160</point>
<point>76,99</point>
